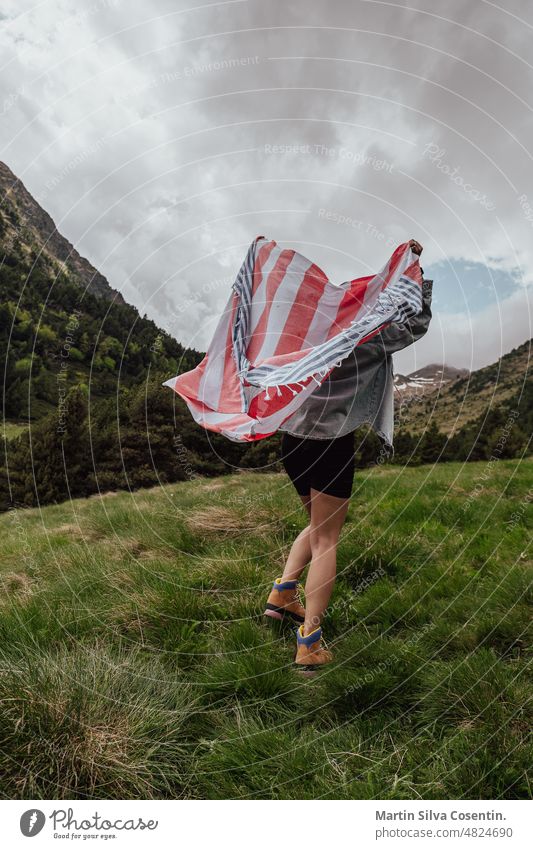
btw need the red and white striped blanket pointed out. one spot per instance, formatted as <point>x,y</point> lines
<point>284,328</point>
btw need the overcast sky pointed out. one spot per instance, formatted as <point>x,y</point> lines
<point>163,136</point>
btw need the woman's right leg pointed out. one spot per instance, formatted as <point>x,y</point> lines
<point>327,518</point>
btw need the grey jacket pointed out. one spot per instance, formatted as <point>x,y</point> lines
<point>361,389</point>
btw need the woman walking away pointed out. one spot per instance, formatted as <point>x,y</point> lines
<point>318,455</point>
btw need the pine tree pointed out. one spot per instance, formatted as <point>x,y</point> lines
<point>432,445</point>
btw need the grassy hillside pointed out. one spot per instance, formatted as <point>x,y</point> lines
<point>135,661</point>
<point>452,406</point>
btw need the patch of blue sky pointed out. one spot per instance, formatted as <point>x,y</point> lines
<point>461,285</point>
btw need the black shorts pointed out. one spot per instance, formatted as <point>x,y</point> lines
<point>326,465</point>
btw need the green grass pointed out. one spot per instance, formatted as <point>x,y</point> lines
<point>11,430</point>
<point>135,662</point>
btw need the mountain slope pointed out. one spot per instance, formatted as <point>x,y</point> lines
<point>61,324</point>
<point>24,220</point>
<point>454,404</point>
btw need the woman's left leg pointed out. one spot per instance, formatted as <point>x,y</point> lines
<point>300,553</point>
<point>293,458</point>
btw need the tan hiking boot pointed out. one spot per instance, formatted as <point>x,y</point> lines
<point>310,655</point>
<point>284,602</point>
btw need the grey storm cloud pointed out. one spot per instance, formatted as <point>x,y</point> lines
<point>163,137</point>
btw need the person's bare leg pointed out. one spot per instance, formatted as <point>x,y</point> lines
<point>300,553</point>
<point>327,518</point>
